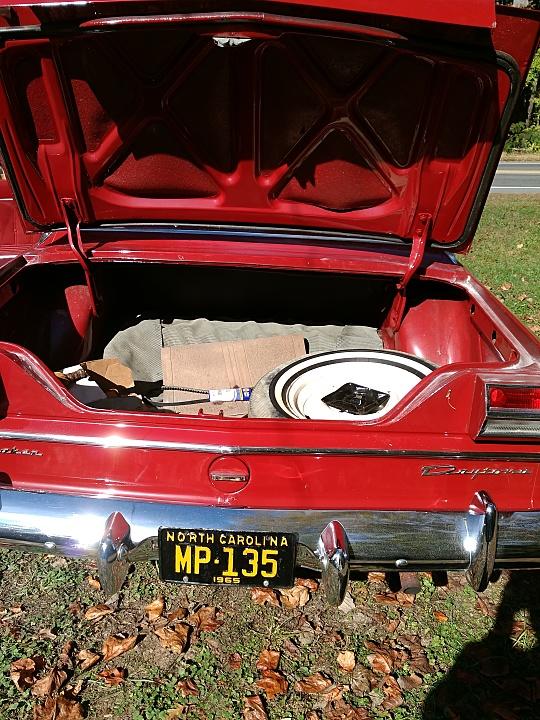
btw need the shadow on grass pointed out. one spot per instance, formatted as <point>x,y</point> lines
<point>497,678</point>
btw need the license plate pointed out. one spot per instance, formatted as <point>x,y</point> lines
<point>223,557</point>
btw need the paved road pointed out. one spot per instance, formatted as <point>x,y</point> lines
<point>517,177</point>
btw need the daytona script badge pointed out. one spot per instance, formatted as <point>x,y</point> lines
<point>16,451</point>
<point>433,470</point>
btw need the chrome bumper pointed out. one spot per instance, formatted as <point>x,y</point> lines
<point>117,532</point>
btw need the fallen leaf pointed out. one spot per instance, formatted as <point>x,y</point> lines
<point>47,634</point>
<point>391,627</point>
<point>87,659</point>
<point>519,246</point>
<point>205,619</point>
<point>376,577</point>
<point>309,583</point>
<point>113,676</point>
<point>50,683</point>
<point>268,660</point>
<point>187,687</point>
<point>74,608</point>
<point>506,286</point>
<point>93,582</point>
<point>346,660</point>
<point>16,609</point>
<point>234,661</point>
<point>295,597</point>
<point>264,596</point>
<point>60,708</point>
<point>314,684</point>
<point>347,605</point>
<point>409,682</point>
<point>116,645</point>
<point>392,694</point>
<point>272,683</point>
<point>341,710</point>
<point>291,648</point>
<point>65,653</point>
<point>174,638</point>
<point>440,616</point>
<point>22,672</point>
<point>398,598</point>
<point>155,609</point>
<point>254,708</point>
<point>381,662</point>
<point>97,612</point>
<point>176,712</point>
<point>178,614</point>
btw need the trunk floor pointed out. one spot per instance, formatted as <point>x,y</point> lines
<point>139,346</point>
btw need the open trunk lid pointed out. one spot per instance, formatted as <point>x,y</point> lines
<point>292,115</point>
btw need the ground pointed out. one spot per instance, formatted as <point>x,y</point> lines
<point>164,652</point>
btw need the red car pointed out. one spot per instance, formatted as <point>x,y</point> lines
<point>179,174</point>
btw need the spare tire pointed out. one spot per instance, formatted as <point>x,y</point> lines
<point>296,389</point>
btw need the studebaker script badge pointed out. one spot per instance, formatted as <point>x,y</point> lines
<point>15,451</point>
<point>435,470</point>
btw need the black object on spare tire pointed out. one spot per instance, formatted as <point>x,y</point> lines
<point>297,389</point>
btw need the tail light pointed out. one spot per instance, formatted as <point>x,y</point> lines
<point>512,411</point>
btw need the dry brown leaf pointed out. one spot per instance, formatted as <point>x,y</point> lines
<point>346,660</point>
<point>87,659</point>
<point>174,638</point>
<point>93,582</point>
<point>50,683</point>
<point>47,634</point>
<point>60,708</point>
<point>309,583</point>
<point>254,708</point>
<point>116,645</point>
<point>74,608</point>
<point>376,577</point>
<point>291,648</point>
<point>234,661</point>
<point>295,597</point>
<point>409,682</point>
<point>22,672</point>
<point>381,662</point>
<point>268,660</point>
<point>264,596</point>
<point>113,676</point>
<point>205,619</point>
<point>392,694</point>
<point>314,684</point>
<point>398,598</point>
<point>506,286</point>
<point>391,627</point>
<point>272,683</point>
<point>97,612</point>
<point>155,609</point>
<point>440,616</point>
<point>178,614</point>
<point>187,687</point>
<point>65,653</point>
<point>341,710</point>
<point>176,712</point>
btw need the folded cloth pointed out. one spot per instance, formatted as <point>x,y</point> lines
<point>222,365</point>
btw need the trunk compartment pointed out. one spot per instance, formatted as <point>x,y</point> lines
<point>145,306</point>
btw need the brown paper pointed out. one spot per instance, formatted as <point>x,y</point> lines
<point>238,363</point>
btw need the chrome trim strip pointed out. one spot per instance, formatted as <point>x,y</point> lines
<point>115,441</point>
<point>76,526</point>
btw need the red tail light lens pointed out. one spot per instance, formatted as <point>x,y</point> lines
<point>516,398</point>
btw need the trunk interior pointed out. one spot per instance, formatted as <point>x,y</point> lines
<point>47,310</point>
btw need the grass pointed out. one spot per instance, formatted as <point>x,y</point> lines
<point>505,254</point>
<point>474,657</point>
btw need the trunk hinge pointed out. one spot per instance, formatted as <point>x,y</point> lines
<point>419,243</point>
<point>72,219</point>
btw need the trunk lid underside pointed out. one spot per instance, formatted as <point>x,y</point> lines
<point>258,120</point>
